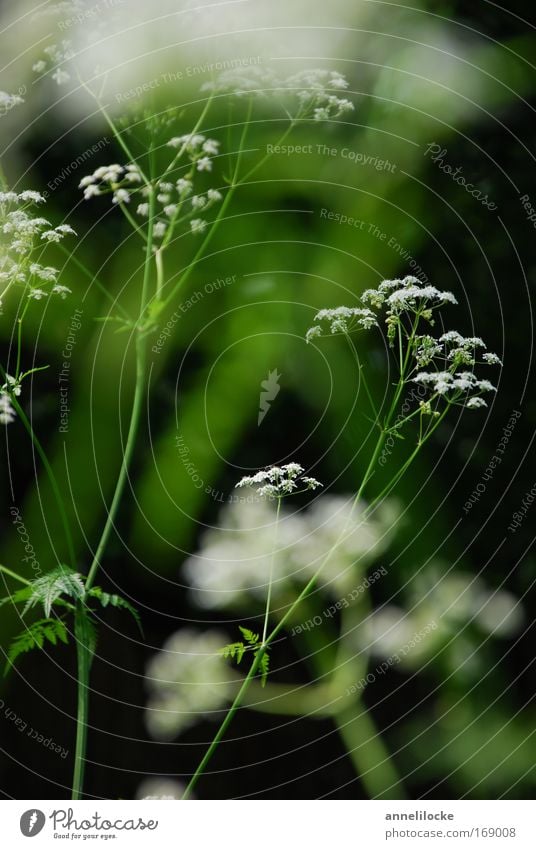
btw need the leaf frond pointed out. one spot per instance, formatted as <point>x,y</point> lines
<point>35,637</point>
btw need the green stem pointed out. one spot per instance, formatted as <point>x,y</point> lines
<point>83,651</point>
<point>84,656</point>
<point>14,575</point>
<point>365,746</point>
<point>271,578</point>
<point>225,724</point>
<point>290,611</point>
<point>141,367</point>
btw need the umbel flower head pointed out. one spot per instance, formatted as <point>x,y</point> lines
<point>313,94</point>
<point>278,481</point>
<point>23,236</point>
<point>178,200</point>
<point>401,305</point>
<point>234,557</point>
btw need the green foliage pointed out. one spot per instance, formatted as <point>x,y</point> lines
<point>18,596</point>
<point>236,651</point>
<point>35,637</point>
<point>115,601</point>
<point>249,636</point>
<point>48,589</point>
<point>264,667</point>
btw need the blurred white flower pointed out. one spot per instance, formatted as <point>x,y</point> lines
<point>187,680</point>
<point>160,789</point>
<point>233,562</point>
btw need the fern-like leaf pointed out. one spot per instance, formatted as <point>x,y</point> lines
<point>35,637</point>
<point>249,636</point>
<point>18,596</point>
<point>234,651</point>
<point>115,601</point>
<point>48,589</point>
<point>264,668</point>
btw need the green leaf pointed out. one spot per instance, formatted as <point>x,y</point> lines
<point>115,601</point>
<point>48,589</point>
<point>264,668</point>
<point>35,637</point>
<point>18,596</point>
<point>234,650</point>
<point>249,636</point>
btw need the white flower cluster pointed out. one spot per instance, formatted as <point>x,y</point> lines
<point>279,481</point>
<point>7,412</point>
<point>24,234</point>
<point>8,101</point>
<point>56,59</point>
<point>118,180</point>
<point>177,201</point>
<point>187,679</point>
<point>342,320</point>
<point>232,565</point>
<point>447,353</point>
<point>454,603</point>
<point>406,295</point>
<point>312,91</point>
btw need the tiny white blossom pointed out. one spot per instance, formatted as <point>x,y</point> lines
<point>492,359</point>
<point>7,413</point>
<point>280,480</point>
<point>159,229</point>
<point>204,164</point>
<point>184,187</point>
<point>37,294</point>
<point>211,146</point>
<point>60,76</point>
<point>121,196</point>
<point>62,291</point>
<point>197,225</point>
<point>31,196</point>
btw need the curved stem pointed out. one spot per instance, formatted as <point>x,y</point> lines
<point>365,746</point>
<point>83,650</point>
<point>141,365</point>
<point>14,575</point>
<point>293,607</point>
<point>271,577</point>
<point>225,724</point>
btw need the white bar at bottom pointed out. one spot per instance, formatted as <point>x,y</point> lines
<point>268,824</point>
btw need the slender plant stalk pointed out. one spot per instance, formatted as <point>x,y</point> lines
<point>373,751</point>
<point>14,575</point>
<point>84,656</point>
<point>365,746</point>
<point>237,703</point>
<point>271,577</point>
